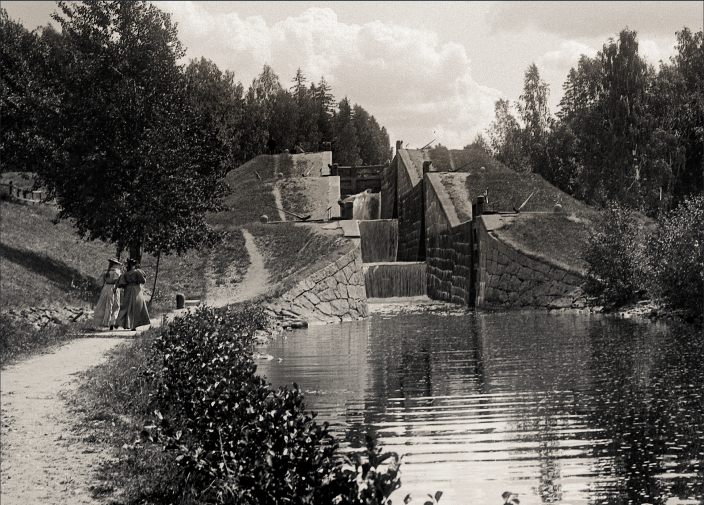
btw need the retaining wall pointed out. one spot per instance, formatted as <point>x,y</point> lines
<point>448,246</point>
<point>509,278</point>
<point>333,294</point>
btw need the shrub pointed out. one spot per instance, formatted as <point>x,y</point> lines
<point>238,440</point>
<point>615,256</point>
<point>676,266</point>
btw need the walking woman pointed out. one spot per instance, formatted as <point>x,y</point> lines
<point>133,309</point>
<point>109,303</point>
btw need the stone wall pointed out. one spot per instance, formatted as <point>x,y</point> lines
<point>333,294</point>
<point>509,278</point>
<point>388,190</point>
<point>448,247</point>
<point>411,225</point>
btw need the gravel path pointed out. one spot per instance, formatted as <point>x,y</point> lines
<point>43,460</point>
<point>254,283</point>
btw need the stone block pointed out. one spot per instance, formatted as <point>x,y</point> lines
<point>514,284</point>
<point>357,278</point>
<point>312,297</point>
<point>327,295</point>
<point>307,284</point>
<point>512,297</point>
<point>348,271</point>
<point>512,268</point>
<point>556,274</point>
<point>526,299</point>
<point>317,276</point>
<point>325,308</point>
<point>304,302</point>
<point>363,310</point>
<point>329,282</point>
<point>341,291</point>
<point>339,307</point>
<point>572,279</point>
<point>524,273</point>
<point>560,303</point>
<point>340,277</point>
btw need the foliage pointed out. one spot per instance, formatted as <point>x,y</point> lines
<point>23,69</point>
<point>126,157</point>
<point>615,256</point>
<point>676,258</point>
<point>20,339</point>
<point>505,138</point>
<point>238,440</point>
<point>624,131</point>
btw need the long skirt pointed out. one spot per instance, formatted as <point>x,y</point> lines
<point>133,309</point>
<point>108,306</point>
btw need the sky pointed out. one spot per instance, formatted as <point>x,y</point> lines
<point>430,72</point>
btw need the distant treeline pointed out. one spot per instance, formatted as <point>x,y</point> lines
<point>625,131</point>
<point>266,117</point>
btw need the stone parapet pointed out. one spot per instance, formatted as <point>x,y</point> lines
<point>333,294</point>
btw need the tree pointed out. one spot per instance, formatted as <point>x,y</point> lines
<point>135,164</point>
<point>506,139</point>
<point>26,97</point>
<point>345,146</point>
<point>534,112</point>
<point>219,99</point>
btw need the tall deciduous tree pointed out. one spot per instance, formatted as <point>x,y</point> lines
<point>219,99</point>
<point>505,138</point>
<point>135,165</point>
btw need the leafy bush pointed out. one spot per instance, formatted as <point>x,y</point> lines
<point>677,270</point>
<point>615,256</point>
<point>238,440</point>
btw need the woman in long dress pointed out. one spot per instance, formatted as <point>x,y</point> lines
<point>108,306</point>
<point>133,309</point>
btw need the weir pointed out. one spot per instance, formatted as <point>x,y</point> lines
<point>384,277</point>
<point>395,279</point>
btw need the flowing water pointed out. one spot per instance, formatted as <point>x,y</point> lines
<point>569,408</point>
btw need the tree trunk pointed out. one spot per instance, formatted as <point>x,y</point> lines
<point>156,274</point>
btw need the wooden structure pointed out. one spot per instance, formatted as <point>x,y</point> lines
<point>354,180</point>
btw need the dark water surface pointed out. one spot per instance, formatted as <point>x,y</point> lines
<point>569,408</point>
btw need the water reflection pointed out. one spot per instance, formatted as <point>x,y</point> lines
<point>557,408</point>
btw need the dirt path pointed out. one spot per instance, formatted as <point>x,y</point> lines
<point>43,460</point>
<point>255,281</point>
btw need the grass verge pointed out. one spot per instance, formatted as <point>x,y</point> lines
<point>20,340</point>
<point>112,406</point>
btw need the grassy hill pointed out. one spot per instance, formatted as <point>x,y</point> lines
<point>47,265</point>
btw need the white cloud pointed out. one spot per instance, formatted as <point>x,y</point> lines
<point>566,57</point>
<point>403,76</point>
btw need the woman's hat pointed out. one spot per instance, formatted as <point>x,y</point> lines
<point>116,261</point>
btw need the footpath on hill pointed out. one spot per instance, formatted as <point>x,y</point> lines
<point>44,458</point>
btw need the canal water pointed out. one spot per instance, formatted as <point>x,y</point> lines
<point>566,408</point>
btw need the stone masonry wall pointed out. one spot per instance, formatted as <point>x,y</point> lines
<point>388,190</point>
<point>448,252</point>
<point>411,226</point>
<point>509,278</point>
<point>411,232</point>
<point>333,294</point>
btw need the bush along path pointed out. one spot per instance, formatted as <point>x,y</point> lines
<point>44,460</point>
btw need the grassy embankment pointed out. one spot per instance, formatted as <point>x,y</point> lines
<point>291,250</point>
<point>537,230</point>
<point>47,265</point>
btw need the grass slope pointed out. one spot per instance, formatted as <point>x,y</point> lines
<point>47,265</point>
<point>559,237</point>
